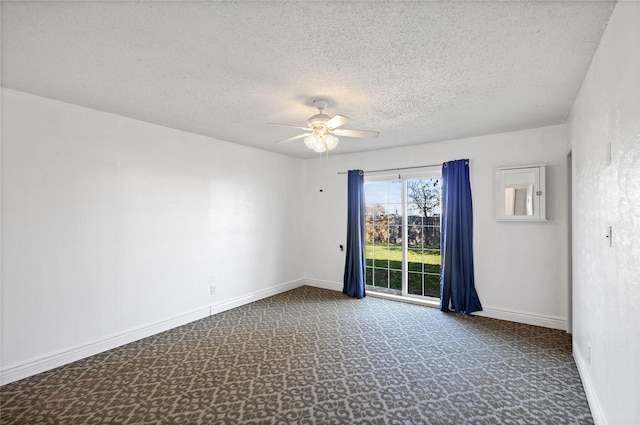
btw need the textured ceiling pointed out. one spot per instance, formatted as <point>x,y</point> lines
<point>414,71</point>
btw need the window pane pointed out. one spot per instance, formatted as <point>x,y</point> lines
<point>381,256</point>
<point>368,276</point>
<point>414,218</point>
<point>432,285</point>
<point>414,236</point>
<point>395,218</point>
<point>381,278</point>
<point>423,196</point>
<point>414,260</point>
<point>432,236</point>
<point>395,265</point>
<point>369,255</point>
<point>384,192</point>
<point>414,214</point>
<point>395,280</point>
<point>369,228</point>
<point>394,255</point>
<point>415,283</point>
<point>432,261</point>
<point>380,234</point>
<point>395,235</point>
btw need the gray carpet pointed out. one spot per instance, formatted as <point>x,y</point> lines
<point>313,356</point>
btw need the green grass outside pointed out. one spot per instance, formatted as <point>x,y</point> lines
<point>384,269</point>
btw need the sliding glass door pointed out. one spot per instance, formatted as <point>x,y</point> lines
<point>403,234</point>
<point>384,229</point>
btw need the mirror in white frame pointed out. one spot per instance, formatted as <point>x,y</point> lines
<point>520,193</point>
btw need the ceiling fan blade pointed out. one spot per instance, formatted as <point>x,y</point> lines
<point>363,134</point>
<point>337,121</point>
<point>291,126</point>
<point>299,136</point>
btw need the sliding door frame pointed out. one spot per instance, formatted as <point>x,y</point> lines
<point>429,173</point>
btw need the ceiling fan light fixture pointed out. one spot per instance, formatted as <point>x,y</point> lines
<point>321,140</point>
<point>320,147</point>
<point>331,141</point>
<point>311,141</point>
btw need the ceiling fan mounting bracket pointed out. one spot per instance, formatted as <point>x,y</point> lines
<point>321,104</point>
<point>318,120</point>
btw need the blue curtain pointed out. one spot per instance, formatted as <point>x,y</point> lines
<point>354,264</point>
<point>457,286</point>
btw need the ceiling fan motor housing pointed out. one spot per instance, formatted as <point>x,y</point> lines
<point>318,120</point>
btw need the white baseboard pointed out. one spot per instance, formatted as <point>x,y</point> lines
<point>494,313</point>
<point>526,318</point>
<point>324,284</point>
<point>61,358</point>
<point>592,399</point>
<point>255,296</point>
<point>51,361</point>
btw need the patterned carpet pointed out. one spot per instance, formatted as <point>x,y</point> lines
<point>313,356</point>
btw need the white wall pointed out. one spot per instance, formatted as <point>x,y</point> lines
<point>520,268</point>
<point>607,279</point>
<point>112,226</point>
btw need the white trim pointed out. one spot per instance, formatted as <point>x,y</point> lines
<point>61,358</point>
<point>526,318</point>
<point>405,298</point>
<point>255,296</point>
<point>589,390</point>
<point>494,313</point>
<point>72,354</point>
<point>323,284</point>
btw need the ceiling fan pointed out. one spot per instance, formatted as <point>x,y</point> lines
<point>321,130</point>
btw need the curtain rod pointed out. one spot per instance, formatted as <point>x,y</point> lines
<point>395,169</point>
